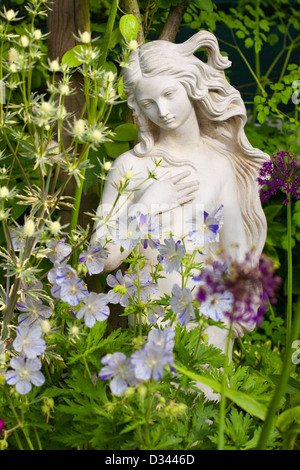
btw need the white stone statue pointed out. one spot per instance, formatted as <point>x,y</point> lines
<point>191,117</point>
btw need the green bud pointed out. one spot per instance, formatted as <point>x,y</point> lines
<point>142,391</point>
<point>129,27</point>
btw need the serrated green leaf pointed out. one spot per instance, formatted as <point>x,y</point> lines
<point>247,403</point>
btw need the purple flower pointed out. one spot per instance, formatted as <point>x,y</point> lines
<point>151,360</point>
<point>154,311</point>
<point>251,287</point>
<point>73,291</point>
<point>120,368</point>
<point>64,273</point>
<point>204,228</point>
<point>59,250</point>
<point>171,254</point>
<point>143,280</point>
<point>281,173</point>
<point>29,341</point>
<point>33,310</point>
<point>122,288</point>
<point>93,257</point>
<point>182,304</point>
<point>95,308</point>
<point>216,305</point>
<point>149,228</point>
<point>25,373</point>
<point>163,338</point>
<point>127,233</point>
<point>1,424</point>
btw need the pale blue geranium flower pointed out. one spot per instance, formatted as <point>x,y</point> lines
<point>127,233</point>
<point>93,257</point>
<point>171,254</point>
<point>34,309</point>
<point>216,304</point>
<point>154,311</point>
<point>25,373</point>
<point>204,228</point>
<point>163,338</point>
<point>149,229</point>
<point>118,367</point>
<point>182,304</point>
<point>150,361</point>
<point>95,308</point>
<point>72,291</point>
<point>65,273</point>
<point>59,250</point>
<point>143,280</point>
<point>121,290</point>
<point>29,341</point>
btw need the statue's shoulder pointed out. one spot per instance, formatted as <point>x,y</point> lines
<point>126,160</point>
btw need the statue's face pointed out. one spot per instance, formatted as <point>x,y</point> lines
<point>164,101</point>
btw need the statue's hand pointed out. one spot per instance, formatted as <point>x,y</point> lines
<point>169,192</point>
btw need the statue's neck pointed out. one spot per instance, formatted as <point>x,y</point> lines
<point>185,136</point>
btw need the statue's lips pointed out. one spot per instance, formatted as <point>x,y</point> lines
<point>168,121</point>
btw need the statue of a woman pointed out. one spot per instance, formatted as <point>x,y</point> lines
<point>193,119</point>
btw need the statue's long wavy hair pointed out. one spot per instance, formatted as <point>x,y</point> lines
<point>220,111</point>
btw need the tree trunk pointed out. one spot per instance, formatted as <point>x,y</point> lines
<point>66,18</point>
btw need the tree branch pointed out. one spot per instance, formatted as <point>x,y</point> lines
<point>175,16</point>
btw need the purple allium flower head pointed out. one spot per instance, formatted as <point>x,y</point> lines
<point>171,254</point>
<point>120,368</point>
<point>281,173</point>
<point>25,373</point>
<point>122,288</point>
<point>72,291</point>
<point>251,287</point>
<point>29,340</point>
<point>182,303</point>
<point>93,257</point>
<point>95,308</point>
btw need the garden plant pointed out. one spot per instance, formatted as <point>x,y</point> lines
<point>63,364</point>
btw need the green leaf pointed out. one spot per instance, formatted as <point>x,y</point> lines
<point>288,417</point>
<point>129,27</point>
<point>206,5</point>
<point>114,149</point>
<point>249,43</point>
<point>71,58</point>
<point>247,403</point>
<point>125,132</point>
<point>293,385</point>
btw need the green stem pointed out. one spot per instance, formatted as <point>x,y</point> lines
<point>223,392</point>
<point>108,31</point>
<point>281,386</point>
<point>290,270</point>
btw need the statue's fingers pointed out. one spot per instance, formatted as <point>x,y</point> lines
<point>175,179</point>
